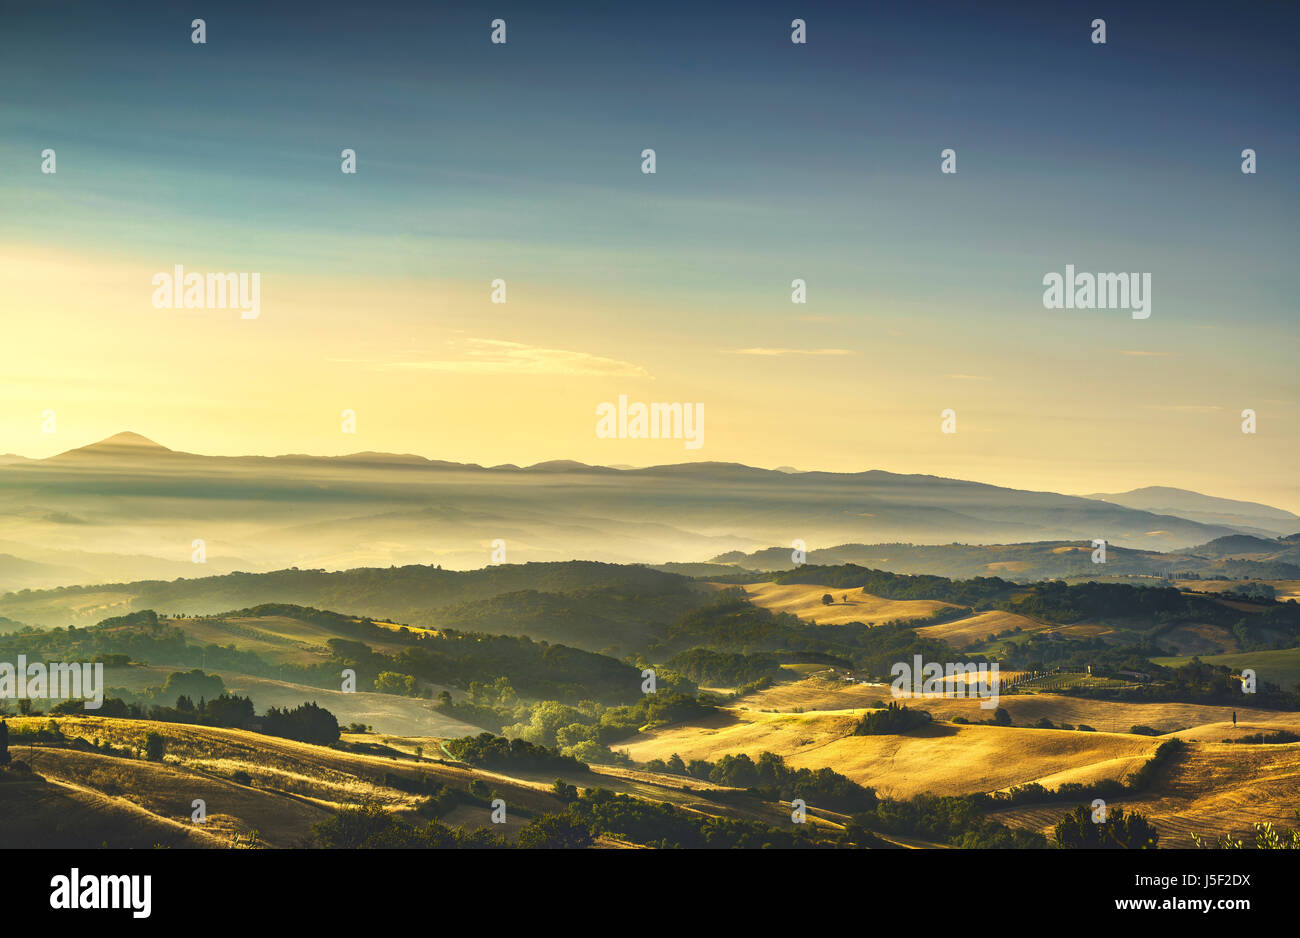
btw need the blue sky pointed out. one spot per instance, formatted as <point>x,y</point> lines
<point>774,161</point>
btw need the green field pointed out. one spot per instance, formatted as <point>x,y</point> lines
<point>1278,667</point>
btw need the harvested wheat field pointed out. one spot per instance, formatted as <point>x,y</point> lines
<point>976,628</point>
<point>1212,789</point>
<point>941,758</point>
<point>1218,732</point>
<point>47,813</point>
<point>269,792</point>
<point>805,601</point>
<point>277,639</point>
<point>278,787</point>
<point>166,793</point>
<point>1105,715</point>
<point>818,694</point>
<point>1286,589</point>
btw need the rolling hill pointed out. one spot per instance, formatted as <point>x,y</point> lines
<point>1231,556</point>
<point>127,507</point>
<point>1249,517</point>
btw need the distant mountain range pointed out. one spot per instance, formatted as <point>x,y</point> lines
<point>1233,556</point>
<point>1248,517</point>
<point>128,508</point>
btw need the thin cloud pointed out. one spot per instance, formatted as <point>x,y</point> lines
<point>497,357</point>
<point>1142,353</point>
<point>1187,408</point>
<point>791,351</point>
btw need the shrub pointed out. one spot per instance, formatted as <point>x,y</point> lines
<point>893,719</point>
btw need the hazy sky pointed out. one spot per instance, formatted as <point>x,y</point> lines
<point>775,161</point>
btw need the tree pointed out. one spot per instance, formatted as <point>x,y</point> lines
<point>555,832</point>
<point>194,684</point>
<point>228,710</point>
<point>155,747</point>
<point>1267,837</point>
<point>827,599</point>
<point>307,723</point>
<point>393,682</point>
<point>1118,832</point>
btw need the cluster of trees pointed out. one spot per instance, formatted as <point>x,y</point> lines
<point>621,618</point>
<point>894,719</point>
<point>731,621</point>
<point>587,730</point>
<point>958,820</point>
<point>584,729</point>
<point>724,668</point>
<point>978,592</point>
<point>1001,717</point>
<point>1078,830</point>
<point>1253,590</point>
<point>1039,651</point>
<point>497,752</point>
<point>439,798</point>
<point>537,669</point>
<point>1056,601</point>
<point>591,814</point>
<point>772,779</point>
<point>652,710</point>
<point>413,593</point>
<point>666,826</point>
<point>1281,736</point>
<point>490,704</point>
<point>226,710</point>
<point>575,731</point>
<point>306,723</point>
<point>1195,682</point>
<point>369,826</point>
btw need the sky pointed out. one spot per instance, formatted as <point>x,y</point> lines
<point>774,161</point>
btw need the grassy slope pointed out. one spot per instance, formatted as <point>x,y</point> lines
<point>93,798</point>
<point>805,601</point>
<point>1279,667</point>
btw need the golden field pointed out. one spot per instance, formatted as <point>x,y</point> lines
<point>851,605</point>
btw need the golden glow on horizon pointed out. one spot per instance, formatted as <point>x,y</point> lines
<point>437,370</point>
